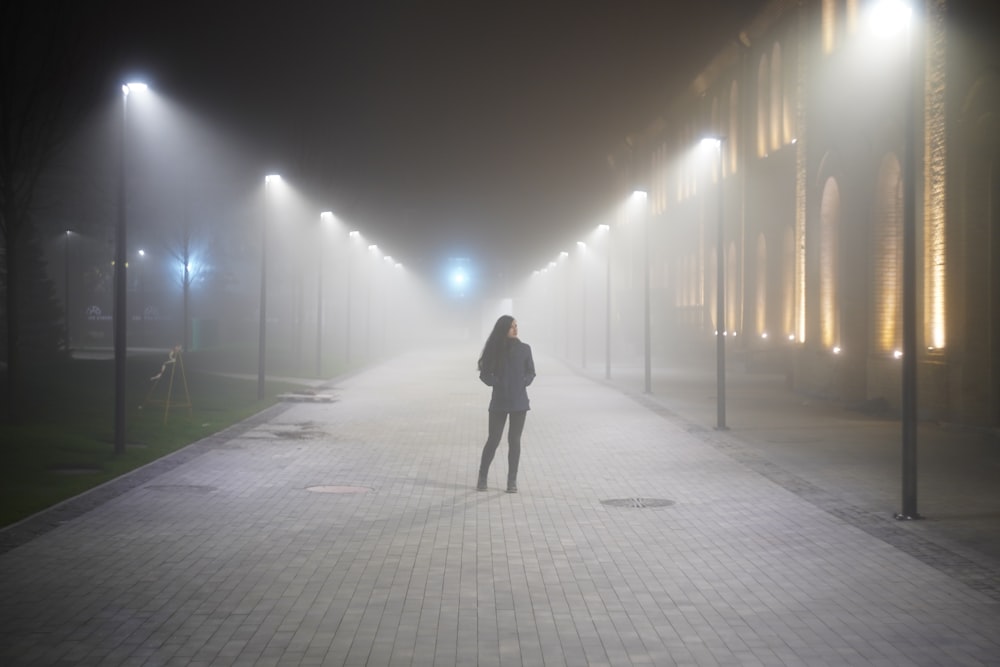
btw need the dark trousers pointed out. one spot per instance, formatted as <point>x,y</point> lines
<point>497,421</point>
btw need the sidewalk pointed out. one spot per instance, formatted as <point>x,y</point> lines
<point>350,533</point>
<point>834,449</point>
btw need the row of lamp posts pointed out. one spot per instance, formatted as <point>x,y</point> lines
<point>899,12</point>
<point>891,12</point>
<point>120,280</point>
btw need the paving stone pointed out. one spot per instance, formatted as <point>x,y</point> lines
<point>223,556</point>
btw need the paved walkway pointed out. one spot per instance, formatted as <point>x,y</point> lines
<point>350,533</point>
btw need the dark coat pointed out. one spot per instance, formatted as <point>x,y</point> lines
<point>511,378</point>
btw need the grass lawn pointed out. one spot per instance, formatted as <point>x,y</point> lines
<point>64,443</point>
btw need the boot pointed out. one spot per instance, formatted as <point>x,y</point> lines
<point>481,484</point>
<point>512,485</point>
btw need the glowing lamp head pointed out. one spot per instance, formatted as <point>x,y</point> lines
<point>133,87</point>
<point>888,17</point>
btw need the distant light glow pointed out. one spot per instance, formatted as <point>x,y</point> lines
<point>142,253</point>
<point>836,349</point>
<point>764,335</point>
<point>897,354</point>
<point>604,228</point>
<point>326,215</point>
<point>887,18</point>
<point>354,234</point>
<point>134,87</point>
<point>272,178</point>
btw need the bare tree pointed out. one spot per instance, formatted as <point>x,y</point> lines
<point>48,67</point>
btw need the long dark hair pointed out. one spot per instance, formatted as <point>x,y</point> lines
<point>493,351</point>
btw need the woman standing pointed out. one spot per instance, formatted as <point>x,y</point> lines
<point>507,366</point>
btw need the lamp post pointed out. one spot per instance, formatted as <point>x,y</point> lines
<point>121,261</point>
<point>639,197</point>
<point>142,296</point>
<point>372,251</point>
<point>583,303</point>
<point>607,303</point>
<point>66,284</point>
<point>325,216</point>
<point>720,294</point>
<point>347,315</point>
<point>888,16</point>
<point>269,180</point>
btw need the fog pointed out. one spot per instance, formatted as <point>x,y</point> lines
<point>204,221</point>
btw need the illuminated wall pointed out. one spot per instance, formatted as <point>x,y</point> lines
<point>887,259</point>
<point>828,264</point>
<point>935,178</point>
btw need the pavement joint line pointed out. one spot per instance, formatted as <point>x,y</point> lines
<point>982,577</point>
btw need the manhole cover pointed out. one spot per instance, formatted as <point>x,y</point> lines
<point>638,502</point>
<point>338,489</point>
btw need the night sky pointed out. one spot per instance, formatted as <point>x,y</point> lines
<point>474,129</point>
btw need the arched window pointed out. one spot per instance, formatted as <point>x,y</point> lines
<point>763,117</point>
<point>887,244</point>
<point>828,259</point>
<point>829,28</point>
<point>777,100</point>
<point>732,141</point>
<point>853,19</point>
<point>789,90</point>
<point>712,291</point>
<point>734,299</point>
<point>788,282</point>
<point>716,130</point>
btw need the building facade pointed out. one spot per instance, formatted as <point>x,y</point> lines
<point>819,109</point>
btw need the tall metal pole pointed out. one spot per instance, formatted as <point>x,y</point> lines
<point>720,311</point>
<point>647,334</point>
<point>66,285</point>
<point>319,294</point>
<point>607,309</point>
<point>347,314</point>
<point>583,305</point>
<point>262,324</point>
<point>909,369</point>
<point>120,310</point>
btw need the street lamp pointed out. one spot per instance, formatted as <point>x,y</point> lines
<point>347,319</point>
<point>886,17</point>
<point>639,197</point>
<point>66,284</point>
<point>720,295</point>
<point>142,296</point>
<point>269,180</point>
<point>372,251</point>
<point>607,303</point>
<point>325,216</point>
<point>121,260</point>
<point>583,303</point>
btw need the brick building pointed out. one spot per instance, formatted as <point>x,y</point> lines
<point>812,101</point>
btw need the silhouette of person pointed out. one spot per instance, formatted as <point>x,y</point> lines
<point>507,366</point>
